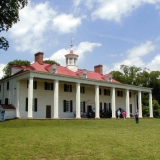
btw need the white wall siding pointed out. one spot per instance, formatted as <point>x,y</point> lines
<point>9,114</point>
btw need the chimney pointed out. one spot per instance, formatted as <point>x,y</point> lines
<point>98,69</point>
<point>39,57</point>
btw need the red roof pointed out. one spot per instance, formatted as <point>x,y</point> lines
<point>65,71</point>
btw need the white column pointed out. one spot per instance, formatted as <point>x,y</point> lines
<point>78,100</point>
<point>56,98</point>
<point>30,97</point>
<point>17,100</point>
<point>113,103</point>
<point>135,103</point>
<point>140,104</point>
<point>127,104</point>
<point>97,101</point>
<point>150,105</point>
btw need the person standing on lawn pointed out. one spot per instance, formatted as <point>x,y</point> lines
<point>136,117</point>
<point>124,114</point>
<point>118,114</point>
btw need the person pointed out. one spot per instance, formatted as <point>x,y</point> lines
<point>2,114</point>
<point>124,115</point>
<point>118,114</point>
<point>136,117</point>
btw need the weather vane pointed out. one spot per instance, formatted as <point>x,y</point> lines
<point>72,38</point>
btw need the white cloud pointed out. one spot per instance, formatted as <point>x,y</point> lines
<point>134,56</point>
<point>66,23</point>
<point>30,33</point>
<point>154,64</point>
<point>59,56</point>
<point>113,10</point>
<point>85,47</point>
<point>141,50</point>
<point>80,50</point>
<point>1,69</point>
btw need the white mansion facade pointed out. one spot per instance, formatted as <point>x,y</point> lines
<point>50,91</point>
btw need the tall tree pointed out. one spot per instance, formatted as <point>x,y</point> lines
<point>9,15</point>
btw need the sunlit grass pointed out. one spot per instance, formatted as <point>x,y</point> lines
<point>104,139</point>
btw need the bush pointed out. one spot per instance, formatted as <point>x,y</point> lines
<point>145,111</point>
<point>156,113</point>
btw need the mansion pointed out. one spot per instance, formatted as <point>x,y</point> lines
<point>44,90</point>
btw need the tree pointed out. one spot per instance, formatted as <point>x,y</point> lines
<point>136,76</point>
<point>9,15</point>
<point>6,69</point>
<point>127,75</point>
<point>51,62</point>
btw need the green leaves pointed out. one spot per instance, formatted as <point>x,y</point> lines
<point>3,43</point>
<point>51,62</point>
<point>9,15</point>
<point>6,69</point>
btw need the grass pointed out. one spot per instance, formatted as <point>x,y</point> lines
<point>104,139</point>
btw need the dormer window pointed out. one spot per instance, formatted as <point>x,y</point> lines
<point>110,78</point>
<point>54,68</point>
<point>84,74</point>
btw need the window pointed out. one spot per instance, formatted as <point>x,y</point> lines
<point>75,61</point>
<point>130,94</point>
<point>48,86</point>
<point>54,68</point>
<point>67,106</point>
<point>110,107</point>
<point>67,88</point>
<point>26,104</point>
<point>6,101</point>
<point>105,106</point>
<point>82,89</point>
<point>130,108</point>
<point>107,92</point>
<point>99,91</point>
<point>34,84</point>
<point>70,60</point>
<point>35,104</point>
<point>7,85</point>
<point>120,93</point>
<point>84,74</point>
<point>100,105</point>
<point>110,79</point>
<point>82,105</point>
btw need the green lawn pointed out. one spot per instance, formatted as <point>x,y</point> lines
<point>104,139</point>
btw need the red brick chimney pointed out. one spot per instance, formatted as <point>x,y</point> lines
<point>39,57</point>
<point>98,69</point>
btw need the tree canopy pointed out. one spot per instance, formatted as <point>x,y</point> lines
<point>136,76</point>
<point>9,15</point>
<point>51,62</point>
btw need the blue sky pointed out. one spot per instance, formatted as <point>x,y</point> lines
<point>106,32</point>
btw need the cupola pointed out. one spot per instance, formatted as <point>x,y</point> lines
<point>72,60</point>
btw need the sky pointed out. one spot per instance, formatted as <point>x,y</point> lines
<point>106,32</point>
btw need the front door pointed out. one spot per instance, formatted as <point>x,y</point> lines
<point>89,109</point>
<point>48,111</point>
